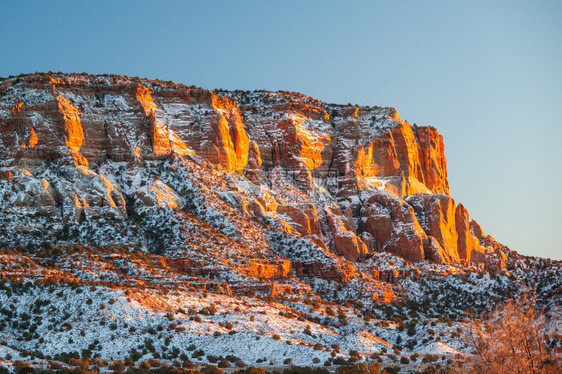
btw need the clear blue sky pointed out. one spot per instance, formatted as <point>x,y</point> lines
<point>487,75</point>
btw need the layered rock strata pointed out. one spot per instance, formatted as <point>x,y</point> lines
<point>351,180</point>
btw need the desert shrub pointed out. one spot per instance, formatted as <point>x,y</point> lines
<point>135,355</point>
<point>392,370</point>
<point>252,371</point>
<point>231,358</point>
<point>360,368</point>
<point>55,365</point>
<point>340,361</point>
<point>429,358</point>
<point>354,354</point>
<point>118,366</point>
<point>211,369</point>
<point>145,365</point>
<point>19,364</point>
<point>188,364</point>
<point>198,353</point>
<point>341,314</point>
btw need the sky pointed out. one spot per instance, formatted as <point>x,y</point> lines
<point>487,75</point>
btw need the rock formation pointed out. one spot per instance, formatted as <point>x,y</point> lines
<point>348,179</point>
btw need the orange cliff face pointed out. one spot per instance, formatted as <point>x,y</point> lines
<point>294,139</point>
<point>206,124</point>
<point>432,159</point>
<point>232,142</point>
<point>352,180</point>
<point>164,140</point>
<point>468,246</point>
<point>448,226</point>
<point>422,166</point>
<point>73,133</point>
<point>158,131</point>
<point>384,152</point>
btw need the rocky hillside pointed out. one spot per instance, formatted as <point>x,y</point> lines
<point>143,185</point>
<point>350,180</point>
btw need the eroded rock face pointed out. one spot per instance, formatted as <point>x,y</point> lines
<point>345,240</point>
<point>433,161</point>
<point>476,229</point>
<point>468,246</point>
<point>436,214</point>
<point>435,252</point>
<point>350,179</point>
<point>156,193</point>
<point>73,133</point>
<point>393,225</point>
<point>33,195</point>
<point>341,273</point>
<point>394,275</point>
<point>449,228</point>
<point>270,270</point>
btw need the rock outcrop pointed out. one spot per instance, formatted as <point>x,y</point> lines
<point>468,246</point>
<point>393,226</point>
<point>350,179</point>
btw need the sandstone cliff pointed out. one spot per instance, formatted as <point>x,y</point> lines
<point>84,156</point>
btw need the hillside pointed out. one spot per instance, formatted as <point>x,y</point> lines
<point>143,219</point>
